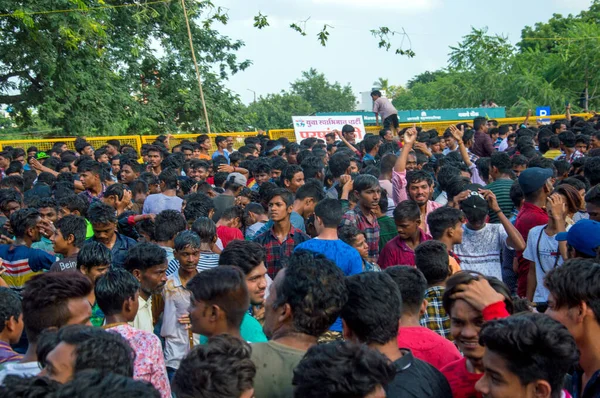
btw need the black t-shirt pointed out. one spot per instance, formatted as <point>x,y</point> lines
<point>418,379</point>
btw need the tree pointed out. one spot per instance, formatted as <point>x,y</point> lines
<point>95,69</point>
<point>322,95</point>
<point>381,84</point>
<point>276,110</point>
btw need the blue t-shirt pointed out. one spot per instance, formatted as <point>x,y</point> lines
<point>158,202</point>
<point>296,220</point>
<point>225,153</point>
<point>343,255</point>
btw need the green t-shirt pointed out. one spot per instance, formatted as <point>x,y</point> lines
<point>387,230</point>
<point>89,232</point>
<point>275,365</point>
<point>501,188</point>
<point>251,331</point>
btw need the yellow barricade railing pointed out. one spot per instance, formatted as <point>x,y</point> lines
<point>176,139</point>
<point>238,137</point>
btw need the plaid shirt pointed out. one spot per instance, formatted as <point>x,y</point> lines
<point>357,218</point>
<point>278,252</point>
<point>435,318</point>
<point>472,157</point>
<point>90,198</point>
<point>575,155</point>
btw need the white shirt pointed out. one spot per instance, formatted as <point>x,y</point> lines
<point>25,369</point>
<point>480,250</point>
<point>544,255</point>
<point>143,320</point>
<point>177,303</point>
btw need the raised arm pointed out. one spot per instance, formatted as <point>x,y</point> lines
<point>345,141</point>
<point>410,136</point>
<point>514,240</point>
<point>458,136</point>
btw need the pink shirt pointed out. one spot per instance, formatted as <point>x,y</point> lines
<point>149,364</point>
<point>428,346</point>
<point>384,107</point>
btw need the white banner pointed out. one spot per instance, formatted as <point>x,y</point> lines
<point>319,126</point>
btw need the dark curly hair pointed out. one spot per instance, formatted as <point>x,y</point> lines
<point>373,308</point>
<point>92,383</point>
<point>341,370</point>
<point>221,368</point>
<point>534,347</point>
<point>95,348</point>
<point>314,288</point>
<point>466,277</point>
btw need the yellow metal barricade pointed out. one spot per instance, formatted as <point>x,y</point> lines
<point>176,139</point>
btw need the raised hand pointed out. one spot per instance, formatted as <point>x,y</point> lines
<point>491,199</point>
<point>555,205</point>
<point>457,133</point>
<point>410,136</point>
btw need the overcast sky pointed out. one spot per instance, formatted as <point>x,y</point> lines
<point>279,54</point>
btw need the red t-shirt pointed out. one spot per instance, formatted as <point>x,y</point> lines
<point>462,382</point>
<point>529,216</point>
<point>428,346</point>
<point>227,234</point>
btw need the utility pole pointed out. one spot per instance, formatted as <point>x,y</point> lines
<point>254,92</point>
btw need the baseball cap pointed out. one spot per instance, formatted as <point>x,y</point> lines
<point>584,236</point>
<point>41,155</point>
<point>475,200</point>
<point>237,178</point>
<point>534,178</point>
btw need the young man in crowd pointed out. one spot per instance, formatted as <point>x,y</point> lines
<point>229,224</point>
<point>525,355</point>
<point>104,222</point>
<point>167,199</point>
<point>431,258</point>
<point>20,260</point>
<point>471,300</point>
<point>328,214</point>
<point>383,106</point>
<point>424,343</point>
<point>304,300</point>
<point>130,171</point>
<point>221,142</point>
<point>536,184</point>
<point>281,239</point>
<point>219,301</point>
<point>79,347</point>
<point>482,145</point>
<point>367,189</point>
<point>117,294</point>
<point>221,367</point>
<point>49,300</point>
<point>352,370</point>
<point>67,239</point>
<point>292,178</point>
<point>387,226</point>
<point>500,172</point>
<point>48,209</point>
<point>249,257</point>
<point>371,316</point>
<point>255,217</point>
<point>148,263</point>
<point>205,146</point>
<point>155,157</point>
<point>400,250</point>
<point>11,326</point>
<point>89,175</point>
<point>418,186</point>
<point>574,301</point>
<point>482,243</point>
<point>446,226</point>
<point>168,224</point>
<point>175,330</point>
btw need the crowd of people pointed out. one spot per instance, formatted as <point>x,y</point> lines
<point>408,264</point>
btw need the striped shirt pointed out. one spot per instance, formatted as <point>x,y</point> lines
<point>501,188</point>
<point>207,260</point>
<point>22,263</point>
